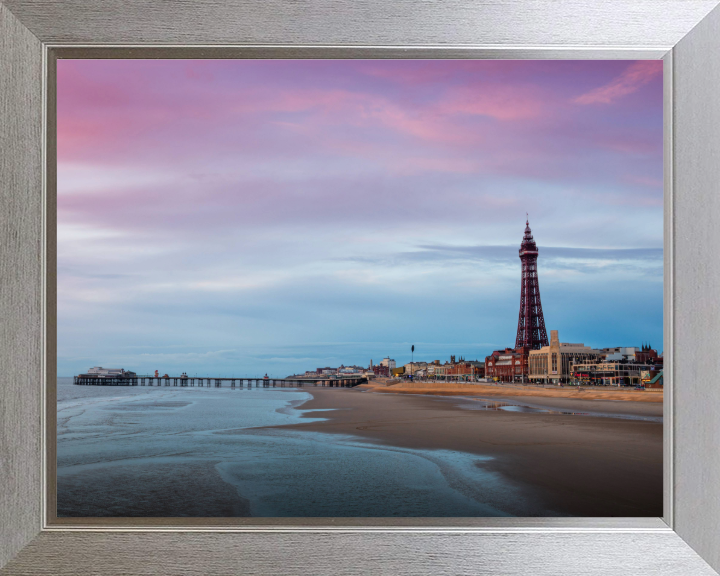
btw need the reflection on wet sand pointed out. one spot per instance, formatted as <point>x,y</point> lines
<point>475,403</point>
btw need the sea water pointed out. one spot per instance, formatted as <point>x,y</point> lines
<point>210,452</point>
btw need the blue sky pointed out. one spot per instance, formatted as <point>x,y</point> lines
<point>244,217</point>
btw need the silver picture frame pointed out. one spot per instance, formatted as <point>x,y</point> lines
<point>684,33</point>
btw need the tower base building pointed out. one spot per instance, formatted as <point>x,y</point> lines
<point>553,364</point>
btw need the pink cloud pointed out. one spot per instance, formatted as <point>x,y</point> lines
<point>630,80</point>
<point>501,102</point>
<point>239,120</point>
<point>134,116</point>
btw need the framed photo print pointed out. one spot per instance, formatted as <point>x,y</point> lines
<point>432,292</point>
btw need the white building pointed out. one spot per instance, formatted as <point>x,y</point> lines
<point>620,353</point>
<point>387,361</point>
<point>99,370</point>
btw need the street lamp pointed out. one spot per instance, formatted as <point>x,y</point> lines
<point>412,358</point>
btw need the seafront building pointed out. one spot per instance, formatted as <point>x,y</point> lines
<point>414,367</point>
<point>653,379</point>
<point>380,370</point>
<point>455,370</point>
<point>436,371</point>
<point>553,364</point>
<point>508,365</point>
<point>100,372</point>
<point>611,373</point>
<point>626,353</point>
<point>648,356</point>
<point>643,355</point>
<point>350,369</point>
<point>465,371</point>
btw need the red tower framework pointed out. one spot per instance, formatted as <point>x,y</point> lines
<point>531,331</point>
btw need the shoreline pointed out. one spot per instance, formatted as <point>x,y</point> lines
<point>576,465</point>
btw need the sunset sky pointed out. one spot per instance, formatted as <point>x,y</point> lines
<point>238,217</point>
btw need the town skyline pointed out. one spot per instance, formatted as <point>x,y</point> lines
<point>275,216</point>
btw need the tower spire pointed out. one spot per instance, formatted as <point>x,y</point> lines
<point>531,331</point>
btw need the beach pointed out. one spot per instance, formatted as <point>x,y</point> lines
<point>383,385</point>
<point>579,457</point>
<point>222,452</point>
<point>353,452</point>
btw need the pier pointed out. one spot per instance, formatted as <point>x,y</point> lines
<point>216,382</point>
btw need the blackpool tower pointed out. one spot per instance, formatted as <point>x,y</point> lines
<point>531,331</point>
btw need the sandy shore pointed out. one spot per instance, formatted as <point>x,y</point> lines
<point>572,465</point>
<point>510,390</point>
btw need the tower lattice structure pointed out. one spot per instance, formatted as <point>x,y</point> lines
<point>531,331</point>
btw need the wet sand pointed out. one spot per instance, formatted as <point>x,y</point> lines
<point>125,489</point>
<point>601,406</point>
<point>575,465</point>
